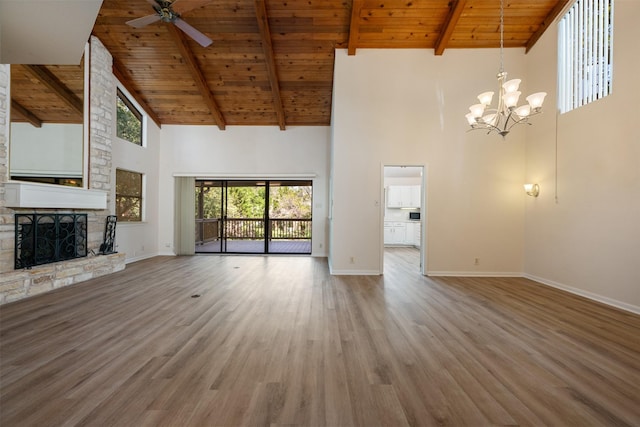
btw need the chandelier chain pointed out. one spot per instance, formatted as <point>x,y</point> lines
<point>501,36</point>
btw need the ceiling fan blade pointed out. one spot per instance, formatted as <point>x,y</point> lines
<point>145,20</point>
<point>202,40</point>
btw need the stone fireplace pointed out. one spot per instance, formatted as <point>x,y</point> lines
<point>20,202</point>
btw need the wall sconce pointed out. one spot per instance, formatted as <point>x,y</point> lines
<point>532,189</point>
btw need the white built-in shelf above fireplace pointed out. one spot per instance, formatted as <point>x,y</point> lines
<point>46,196</point>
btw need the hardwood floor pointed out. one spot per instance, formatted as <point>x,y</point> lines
<point>278,341</point>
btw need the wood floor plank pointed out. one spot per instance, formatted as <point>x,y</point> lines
<point>253,340</point>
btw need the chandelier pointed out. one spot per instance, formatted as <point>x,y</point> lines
<point>508,113</point>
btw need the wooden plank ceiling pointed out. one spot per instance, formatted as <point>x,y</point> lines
<point>47,94</point>
<point>271,61</point>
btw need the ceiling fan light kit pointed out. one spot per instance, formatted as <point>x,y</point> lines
<point>507,114</point>
<point>165,13</point>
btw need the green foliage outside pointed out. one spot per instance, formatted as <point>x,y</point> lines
<point>128,195</point>
<point>211,202</point>
<point>290,202</point>
<point>245,202</point>
<point>129,127</point>
<point>286,202</point>
<point>248,202</point>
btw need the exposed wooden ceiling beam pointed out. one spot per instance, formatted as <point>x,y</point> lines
<point>270,62</point>
<point>354,27</point>
<point>197,75</point>
<point>63,92</point>
<point>125,78</point>
<point>545,24</point>
<point>449,25</point>
<point>19,110</point>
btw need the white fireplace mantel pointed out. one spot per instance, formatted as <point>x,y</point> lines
<point>47,196</point>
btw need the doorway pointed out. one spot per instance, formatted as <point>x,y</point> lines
<point>404,217</point>
<point>253,216</point>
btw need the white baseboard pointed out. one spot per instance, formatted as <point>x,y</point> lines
<point>139,258</point>
<point>353,272</point>
<point>473,274</point>
<point>166,253</point>
<point>586,294</point>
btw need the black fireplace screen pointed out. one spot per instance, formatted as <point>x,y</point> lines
<point>47,238</point>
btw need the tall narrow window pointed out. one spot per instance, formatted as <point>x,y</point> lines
<point>128,196</point>
<point>585,42</point>
<point>129,120</point>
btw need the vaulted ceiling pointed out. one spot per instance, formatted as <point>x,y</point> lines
<point>271,61</point>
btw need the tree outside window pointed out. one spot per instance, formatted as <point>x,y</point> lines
<point>128,196</point>
<point>129,120</point>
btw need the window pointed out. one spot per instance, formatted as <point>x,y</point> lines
<point>248,216</point>
<point>128,196</point>
<point>585,41</point>
<point>129,120</point>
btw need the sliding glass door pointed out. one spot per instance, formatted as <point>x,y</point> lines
<point>252,216</point>
<point>244,217</point>
<point>209,212</point>
<point>289,217</point>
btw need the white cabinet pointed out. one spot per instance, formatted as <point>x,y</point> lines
<point>413,234</point>
<point>403,196</point>
<point>409,233</point>
<point>416,234</point>
<point>395,233</point>
<point>402,233</point>
<point>414,199</point>
<point>388,233</point>
<point>396,195</point>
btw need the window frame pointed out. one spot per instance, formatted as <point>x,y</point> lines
<point>141,197</point>
<point>136,110</point>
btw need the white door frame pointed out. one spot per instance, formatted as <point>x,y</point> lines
<point>423,214</point>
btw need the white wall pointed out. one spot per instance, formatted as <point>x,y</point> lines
<point>139,240</point>
<point>244,151</point>
<point>407,106</point>
<point>588,240</point>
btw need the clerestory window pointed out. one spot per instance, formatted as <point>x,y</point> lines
<point>129,120</point>
<point>585,42</point>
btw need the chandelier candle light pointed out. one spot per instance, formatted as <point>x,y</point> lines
<point>508,114</point>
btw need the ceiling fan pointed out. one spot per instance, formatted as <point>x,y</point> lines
<point>165,13</point>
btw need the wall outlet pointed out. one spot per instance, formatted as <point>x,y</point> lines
<point>352,260</point>
<point>476,261</point>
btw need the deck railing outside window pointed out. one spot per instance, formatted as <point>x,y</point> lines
<point>208,230</point>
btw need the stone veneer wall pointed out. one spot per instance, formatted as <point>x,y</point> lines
<point>18,284</point>
<point>6,216</point>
